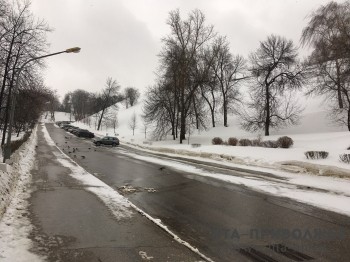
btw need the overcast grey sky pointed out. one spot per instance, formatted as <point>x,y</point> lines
<point>121,38</point>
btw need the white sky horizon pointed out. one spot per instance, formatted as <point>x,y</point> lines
<point>122,38</point>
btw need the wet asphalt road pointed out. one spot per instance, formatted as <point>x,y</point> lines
<point>70,224</point>
<point>226,222</point>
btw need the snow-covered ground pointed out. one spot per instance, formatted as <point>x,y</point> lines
<point>15,226</point>
<point>315,132</point>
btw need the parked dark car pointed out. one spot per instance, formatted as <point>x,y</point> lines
<point>66,127</point>
<point>62,123</point>
<point>107,140</point>
<point>72,129</point>
<point>84,133</point>
<point>75,131</point>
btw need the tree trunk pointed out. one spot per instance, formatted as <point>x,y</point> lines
<point>339,94</point>
<point>225,113</point>
<point>349,118</point>
<point>182,105</point>
<point>182,126</point>
<point>177,127</point>
<point>211,106</point>
<point>267,120</point>
<point>100,120</point>
<point>19,130</point>
<point>196,113</point>
<point>212,109</point>
<point>6,116</point>
<point>212,118</point>
<point>7,65</point>
<point>173,130</point>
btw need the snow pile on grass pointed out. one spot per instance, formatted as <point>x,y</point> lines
<point>315,132</point>
<point>334,143</point>
<point>15,226</point>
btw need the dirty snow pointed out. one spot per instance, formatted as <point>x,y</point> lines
<point>15,226</point>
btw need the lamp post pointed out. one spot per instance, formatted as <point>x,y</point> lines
<point>7,149</point>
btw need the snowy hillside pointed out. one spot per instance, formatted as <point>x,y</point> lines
<point>315,132</point>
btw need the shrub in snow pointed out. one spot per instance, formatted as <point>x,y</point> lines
<point>195,145</point>
<point>345,158</point>
<point>316,154</point>
<point>232,141</point>
<point>257,142</point>
<point>217,141</point>
<point>270,144</point>
<point>349,148</point>
<point>285,142</point>
<point>245,142</point>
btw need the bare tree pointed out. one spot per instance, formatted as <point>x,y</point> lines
<point>66,103</point>
<point>229,72</point>
<point>186,41</point>
<point>133,123</point>
<point>53,104</point>
<point>275,74</point>
<point>145,127</point>
<point>108,97</point>
<point>80,101</point>
<point>131,95</point>
<point>161,108</point>
<point>111,118</point>
<point>26,115</point>
<point>210,88</point>
<point>22,37</point>
<point>328,34</point>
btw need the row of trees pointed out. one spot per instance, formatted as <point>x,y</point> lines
<point>199,76</point>
<point>328,34</point>
<point>82,103</point>
<point>22,37</point>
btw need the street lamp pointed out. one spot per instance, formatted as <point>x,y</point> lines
<point>7,149</point>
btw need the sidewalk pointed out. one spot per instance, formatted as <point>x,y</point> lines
<point>84,221</point>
